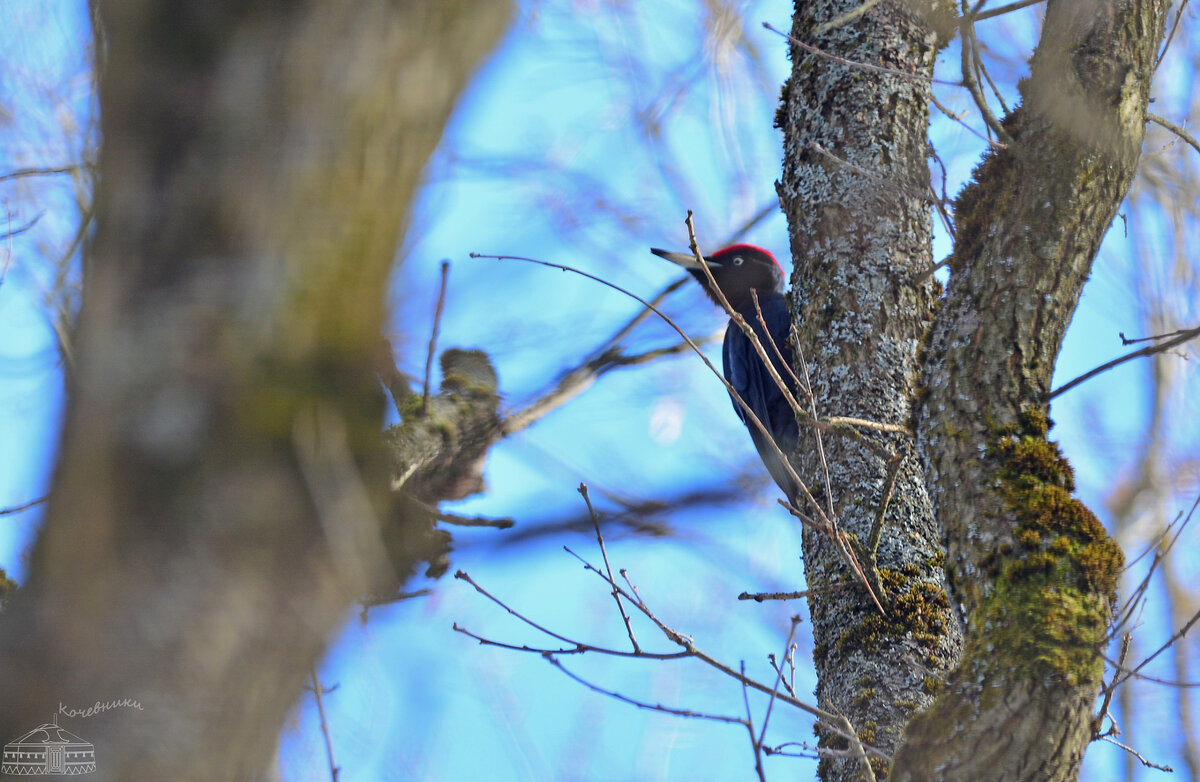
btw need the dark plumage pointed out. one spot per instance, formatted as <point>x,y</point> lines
<point>738,269</point>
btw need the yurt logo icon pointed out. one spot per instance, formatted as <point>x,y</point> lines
<point>48,749</point>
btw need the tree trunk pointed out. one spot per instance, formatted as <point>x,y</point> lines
<point>1031,569</point>
<point>222,479</point>
<point>855,190</point>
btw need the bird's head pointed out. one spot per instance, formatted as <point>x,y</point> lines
<point>737,269</point>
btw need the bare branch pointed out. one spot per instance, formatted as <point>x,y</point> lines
<point>1137,755</point>
<point>437,320</point>
<point>1098,720</point>
<point>1149,350</point>
<point>750,415</point>
<point>25,506</point>
<point>1180,633</point>
<point>579,379</point>
<point>760,597</point>
<point>1004,9</point>
<point>755,744</point>
<point>318,691</point>
<point>473,521</point>
<point>583,490</point>
<point>399,597</point>
<point>846,18</point>
<point>967,44</point>
<point>461,575</point>
<point>19,230</point>
<point>778,680</point>
<point>860,65</point>
<point>1171,35</point>
<point>22,173</point>
<point>1177,130</point>
<point>641,704</point>
<point>577,648</point>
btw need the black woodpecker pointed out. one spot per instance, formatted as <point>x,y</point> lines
<point>737,270</point>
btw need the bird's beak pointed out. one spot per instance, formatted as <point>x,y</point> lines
<point>686,260</point>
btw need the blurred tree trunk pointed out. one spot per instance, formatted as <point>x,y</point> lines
<point>222,479</point>
<point>1028,570</point>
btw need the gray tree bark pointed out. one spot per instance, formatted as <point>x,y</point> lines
<point>222,481</point>
<point>1031,569</point>
<point>855,190</point>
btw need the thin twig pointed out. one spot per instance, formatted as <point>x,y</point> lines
<point>609,355</point>
<point>788,682</point>
<point>1178,131</point>
<point>1149,350</point>
<point>464,521</point>
<point>832,721</point>
<point>26,506</point>
<point>1004,9</point>
<point>755,744</point>
<point>803,416</point>
<point>846,18</point>
<point>689,645</point>
<point>860,65</point>
<point>1180,633</point>
<point>1098,720</point>
<point>576,648</point>
<point>860,752</point>
<point>1137,755</point>
<point>21,229</point>
<point>318,692</point>
<point>1171,36</point>
<point>1145,677</point>
<point>959,119</point>
<point>769,365</point>
<point>374,602</point>
<point>473,521</point>
<point>812,401</point>
<point>778,679</point>
<point>1152,338</point>
<point>889,485</point>
<point>437,319</point>
<point>762,321</point>
<point>869,576</point>
<point>577,380</point>
<point>63,324</point>
<point>1160,553</point>
<point>809,752</point>
<point>550,658</point>
<point>583,490</point>
<point>760,597</point>
<point>750,415</point>
<point>21,173</point>
<point>462,576</point>
<point>967,42</point>
<point>982,70</point>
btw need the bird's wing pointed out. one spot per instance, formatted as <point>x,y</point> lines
<point>734,365</point>
<point>749,377</point>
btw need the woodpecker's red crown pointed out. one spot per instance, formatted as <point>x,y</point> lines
<point>737,270</point>
<point>733,249</point>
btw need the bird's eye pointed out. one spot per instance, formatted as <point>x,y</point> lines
<point>738,261</point>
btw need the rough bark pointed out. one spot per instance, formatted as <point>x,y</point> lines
<point>855,190</point>
<point>222,475</point>
<point>1031,566</point>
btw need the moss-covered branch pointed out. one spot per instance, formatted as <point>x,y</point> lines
<point>1031,566</point>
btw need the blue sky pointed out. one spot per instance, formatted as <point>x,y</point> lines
<point>545,158</point>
